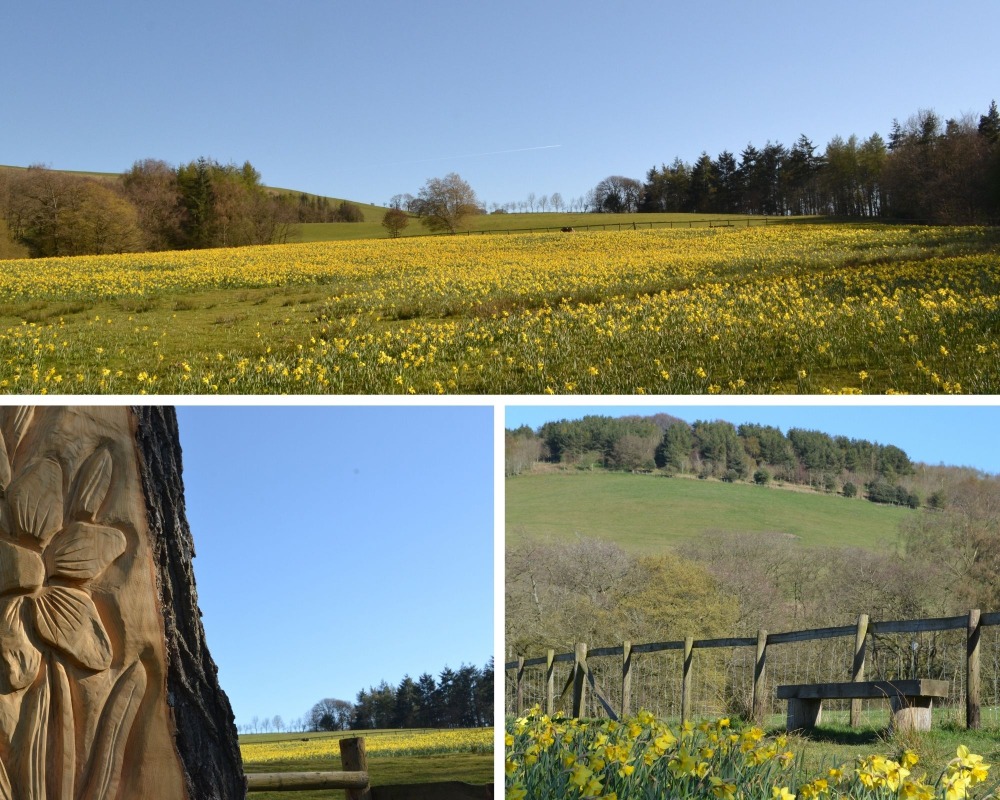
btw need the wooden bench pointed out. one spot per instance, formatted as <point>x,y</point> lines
<point>911,700</point>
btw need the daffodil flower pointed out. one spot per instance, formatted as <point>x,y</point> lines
<point>46,565</point>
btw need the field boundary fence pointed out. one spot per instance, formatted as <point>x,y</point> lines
<point>701,677</point>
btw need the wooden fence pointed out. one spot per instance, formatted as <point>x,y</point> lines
<point>354,779</point>
<point>582,679</point>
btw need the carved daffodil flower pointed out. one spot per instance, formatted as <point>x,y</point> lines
<point>46,564</point>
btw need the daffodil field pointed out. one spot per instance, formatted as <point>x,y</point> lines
<point>805,308</point>
<point>641,757</point>
<point>262,751</point>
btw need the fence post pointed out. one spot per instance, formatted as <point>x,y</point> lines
<point>519,684</point>
<point>579,679</point>
<point>858,670</point>
<point>550,684</point>
<point>686,680</point>
<point>759,676</point>
<point>972,671</point>
<point>626,678</point>
<point>353,759</point>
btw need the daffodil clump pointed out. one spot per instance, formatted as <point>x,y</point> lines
<point>557,757</point>
<point>641,757</point>
<point>876,777</point>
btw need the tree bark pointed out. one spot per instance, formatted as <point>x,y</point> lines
<point>205,736</point>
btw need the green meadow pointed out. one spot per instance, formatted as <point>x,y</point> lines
<point>645,513</point>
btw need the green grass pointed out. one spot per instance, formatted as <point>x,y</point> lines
<point>645,513</point>
<point>836,743</point>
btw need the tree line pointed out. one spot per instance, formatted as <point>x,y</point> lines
<point>929,169</point>
<point>154,206</point>
<point>461,698</point>
<point>719,449</point>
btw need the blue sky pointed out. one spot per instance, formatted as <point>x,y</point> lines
<point>955,434</point>
<point>368,99</point>
<point>338,546</point>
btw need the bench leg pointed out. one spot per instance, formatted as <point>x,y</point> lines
<point>911,713</point>
<point>804,714</point>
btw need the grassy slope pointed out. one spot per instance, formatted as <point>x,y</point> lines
<point>645,513</point>
<point>372,228</point>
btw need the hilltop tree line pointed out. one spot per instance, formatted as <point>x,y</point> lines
<point>461,698</point>
<point>718,449</point>
<point>154,206</point>
<point>929,169</point>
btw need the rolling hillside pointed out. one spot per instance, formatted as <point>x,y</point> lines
<point>645,513</point>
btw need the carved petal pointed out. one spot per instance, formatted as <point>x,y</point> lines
<point>19,656</point>
<point>19,568</point>
<point>83,550</point>
<point>36,498</point>
<point>92,485</point>
<point>68,619</point>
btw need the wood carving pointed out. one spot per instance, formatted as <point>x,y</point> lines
<point>84,670</point>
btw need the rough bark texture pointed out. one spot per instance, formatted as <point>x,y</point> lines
<point>206,732</point>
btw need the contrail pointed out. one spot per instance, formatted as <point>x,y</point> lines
<point>471,155</point>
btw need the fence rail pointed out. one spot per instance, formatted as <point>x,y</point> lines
<point>354,778</point>
<point>867,645</point>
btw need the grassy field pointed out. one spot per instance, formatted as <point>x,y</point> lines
<point>644,513</point>
<point>394,757</point>
<point>777,309</point>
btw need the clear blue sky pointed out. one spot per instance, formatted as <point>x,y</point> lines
<point>368,99</point>
<point>956,435</point>
<point>338,546</point>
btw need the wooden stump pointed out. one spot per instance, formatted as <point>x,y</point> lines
<point>107,689</point>
<point>804,714</point>
<point>911,713</point>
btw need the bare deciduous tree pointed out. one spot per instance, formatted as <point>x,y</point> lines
<point>444,203</point>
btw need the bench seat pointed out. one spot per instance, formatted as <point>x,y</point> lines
<point>911,700</point>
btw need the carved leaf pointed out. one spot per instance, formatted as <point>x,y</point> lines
<point>19,568</point>
<point>64,752</point>
<point>36,499</point>
<point>5,793</point>
<point>68,620</point>
<point>93,482</point>
<point>29,743</point>
<point>113,734</point>
<point>83,550</point>
<point>4,466</point>
<point>15,424</point>
<point>19,656</point>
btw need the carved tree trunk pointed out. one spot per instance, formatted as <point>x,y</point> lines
<point>107,690</point>
<point>206,732</point>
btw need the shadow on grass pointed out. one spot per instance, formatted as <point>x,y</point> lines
<point>849,737</point>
